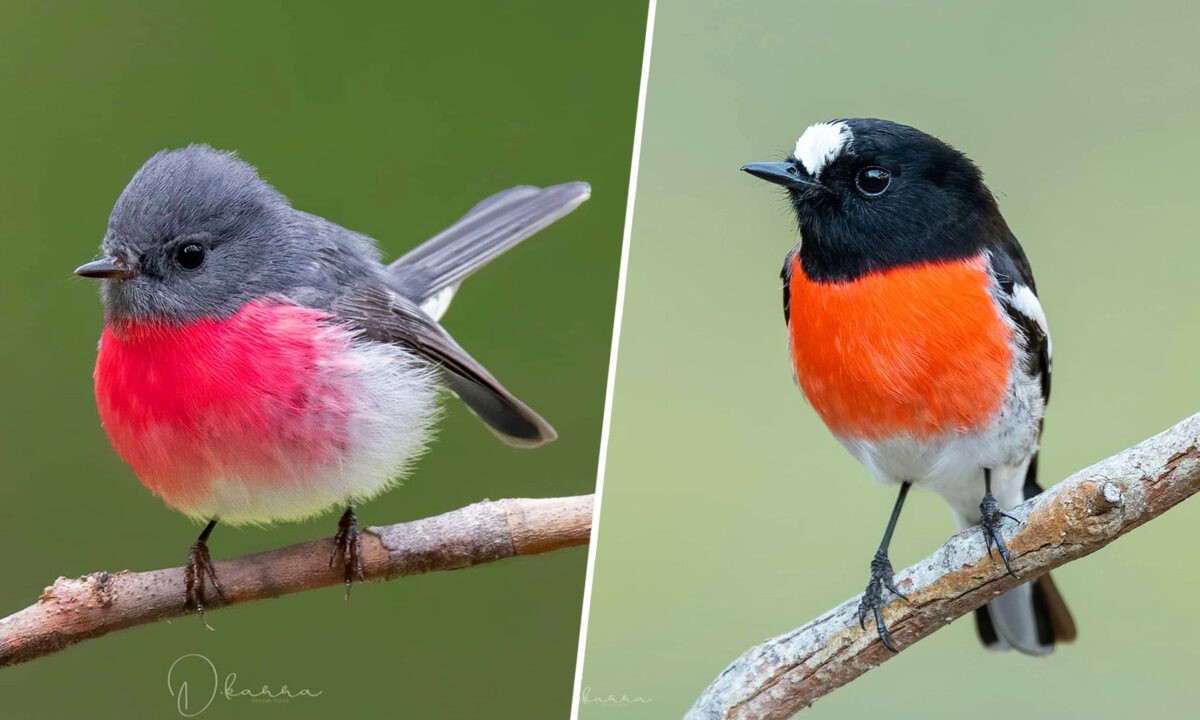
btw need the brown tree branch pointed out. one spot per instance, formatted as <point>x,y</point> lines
<point>73,610</point>
<point>1075,518</point>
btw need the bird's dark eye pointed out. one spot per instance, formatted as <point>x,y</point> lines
<point>873,180</point>
<point>190,256</point>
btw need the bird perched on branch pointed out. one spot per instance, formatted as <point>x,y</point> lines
<point>916,334</point>
<point>261,364</point>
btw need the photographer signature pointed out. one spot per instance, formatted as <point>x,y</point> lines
<point>194,683</point>
<point>615,700</point>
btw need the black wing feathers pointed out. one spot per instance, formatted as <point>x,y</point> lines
<point>1011,268</point>
<point>385,316</point>
<point>786,276</point>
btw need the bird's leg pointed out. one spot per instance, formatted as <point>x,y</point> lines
<point>990,516</point>
<point>198,573</point>
<point>882,577</point>
<point>347,546</point>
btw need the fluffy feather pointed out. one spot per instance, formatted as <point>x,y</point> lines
<point>916,332</point>
<point>278,413</point>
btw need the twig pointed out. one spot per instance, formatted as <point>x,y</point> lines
<point>1075,518</point>
<point>73,610</point>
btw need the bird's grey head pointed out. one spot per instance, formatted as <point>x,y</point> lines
<point>196,233</point>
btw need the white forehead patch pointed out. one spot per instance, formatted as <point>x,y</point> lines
<point>820,144</point>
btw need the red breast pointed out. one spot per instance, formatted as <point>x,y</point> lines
<point>239,398</point>
<point>918,350</point>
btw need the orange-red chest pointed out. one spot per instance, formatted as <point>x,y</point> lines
<point>919,350</point>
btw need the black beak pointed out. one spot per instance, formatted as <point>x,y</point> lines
<point>782,173</point>
<point>106,269</point>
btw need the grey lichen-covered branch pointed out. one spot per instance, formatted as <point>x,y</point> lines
<point>74,610</point>
<point>1075,518</point>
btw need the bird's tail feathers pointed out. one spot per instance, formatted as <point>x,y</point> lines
<point>430,273</point>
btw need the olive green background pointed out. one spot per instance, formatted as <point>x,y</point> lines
<point>730,514</point>
<point>392,119</point>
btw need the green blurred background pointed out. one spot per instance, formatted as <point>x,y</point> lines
<point>392,119</point>
<point>730,514</point>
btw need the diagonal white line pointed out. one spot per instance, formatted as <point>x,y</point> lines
<point>612,361</point>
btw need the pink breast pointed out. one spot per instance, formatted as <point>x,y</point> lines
<point>247,399</point>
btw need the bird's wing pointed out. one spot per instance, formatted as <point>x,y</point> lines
<point>1018,295</point>
<point>385,316</point>
<point>487,231</point>
<point>786,276</point>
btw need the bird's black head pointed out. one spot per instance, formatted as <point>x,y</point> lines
<point>196,234</point>
<point>872,194</point>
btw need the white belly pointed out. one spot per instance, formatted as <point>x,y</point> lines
<point>394,401</point>
<point>952,465</point>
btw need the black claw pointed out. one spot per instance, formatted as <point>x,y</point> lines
<point>198,573</point>
<point>347,548</point>
<point>990,517</point>
<point>872,603</point>
<point>890,585</point>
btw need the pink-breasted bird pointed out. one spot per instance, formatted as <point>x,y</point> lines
<point>261,364</point>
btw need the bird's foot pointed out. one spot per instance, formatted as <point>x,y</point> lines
<point>198,573</point>
<point>347,547</point>
<point>872,603</point>
<point>990,519</point>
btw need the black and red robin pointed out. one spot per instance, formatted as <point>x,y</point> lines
<point>916,334</point>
